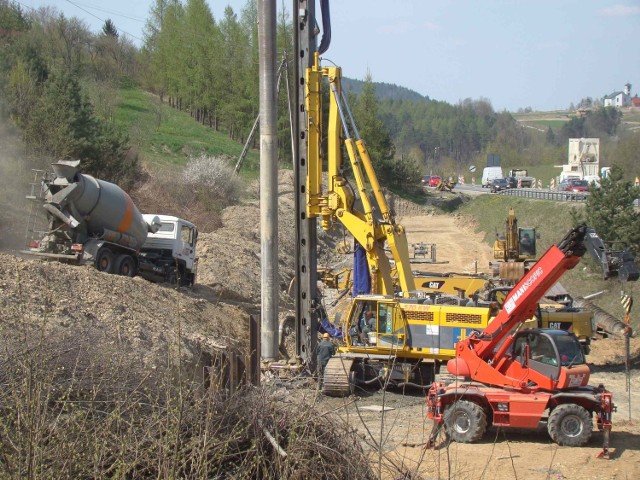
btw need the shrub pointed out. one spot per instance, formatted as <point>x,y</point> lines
<point>213,180</point>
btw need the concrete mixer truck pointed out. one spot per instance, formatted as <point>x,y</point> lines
<point>96,222</point>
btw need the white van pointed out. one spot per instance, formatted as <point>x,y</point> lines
<point>489,173</point>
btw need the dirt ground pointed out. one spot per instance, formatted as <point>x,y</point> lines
<point>398,435</point>
<point>458,247</point>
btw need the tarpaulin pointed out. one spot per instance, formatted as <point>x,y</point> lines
<point>361,275</point>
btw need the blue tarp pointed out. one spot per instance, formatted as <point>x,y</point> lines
<point>361,275</point>
<point>330,328</point>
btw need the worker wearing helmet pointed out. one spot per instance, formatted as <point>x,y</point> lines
<point>368,326</point>
<point>326,350</point>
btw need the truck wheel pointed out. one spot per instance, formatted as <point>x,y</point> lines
<point>104,260</point>
<point>125,265</point>
<point>172,277</point>
<point>465,421</point>
<point>570,424</point>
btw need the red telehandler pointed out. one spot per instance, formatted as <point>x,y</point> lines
<point>511,377</point>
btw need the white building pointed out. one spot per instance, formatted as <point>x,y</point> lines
<point>583,160</point>
<point>619,99</point>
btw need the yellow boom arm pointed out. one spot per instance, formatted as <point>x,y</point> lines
<point>336,203</point>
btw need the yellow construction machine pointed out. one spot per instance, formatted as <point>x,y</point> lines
<point>553,314</point>
<point>460,284</point>
<point>515,251</point>
<point>411,332</point>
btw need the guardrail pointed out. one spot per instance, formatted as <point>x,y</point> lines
<point>546,194</point>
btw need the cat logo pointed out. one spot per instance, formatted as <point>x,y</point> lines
<point>436,285</point>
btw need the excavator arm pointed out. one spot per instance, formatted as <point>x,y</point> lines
<point>337,203</point>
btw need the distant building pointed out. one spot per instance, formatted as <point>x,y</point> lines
<point>583,161</point>
<point>619,99</point>
<point>635,101</point>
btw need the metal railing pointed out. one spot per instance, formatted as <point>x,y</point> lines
<point>546,194</point>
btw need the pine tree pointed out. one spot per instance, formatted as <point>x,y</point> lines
<point>611,212</point>
<point>372,130</point>
<point>109,29</point>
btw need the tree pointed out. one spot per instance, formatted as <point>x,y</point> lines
<point>109,29</point>
<point>627,154</point>
<point>62,125</point>
<point>373,132</point>
<point>550,137</point>
<point>596,123</point>
<point>610,210</point>
<point>603,121</point>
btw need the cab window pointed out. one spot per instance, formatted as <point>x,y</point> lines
<point>186,234</point>
<point>542,350</point>
<point>570,351</point>
<point>527,238</point>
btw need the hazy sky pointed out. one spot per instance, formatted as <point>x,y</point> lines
<point>517,53</point>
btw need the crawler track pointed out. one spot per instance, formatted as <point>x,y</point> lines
<point>337,380</point>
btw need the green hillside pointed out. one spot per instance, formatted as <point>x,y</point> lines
<point>167,137</point>
<point>552,221</point>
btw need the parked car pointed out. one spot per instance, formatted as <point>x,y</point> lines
<point>574,185</point>
<point>434,180</point>
<point>498,184</point>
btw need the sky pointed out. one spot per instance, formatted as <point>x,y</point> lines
<point>543,54</point>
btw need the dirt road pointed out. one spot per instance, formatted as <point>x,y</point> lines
<point>458,247</point>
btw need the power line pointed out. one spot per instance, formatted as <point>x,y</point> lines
<point>101,19</point>
<point>94,16</point>
<point>112,12</point>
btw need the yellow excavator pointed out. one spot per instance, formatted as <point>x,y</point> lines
<point>515,251</point>
<point>410,332</point>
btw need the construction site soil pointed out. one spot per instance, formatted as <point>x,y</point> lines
<point>144,324</point>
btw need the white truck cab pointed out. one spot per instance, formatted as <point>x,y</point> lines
<point>170,248</point>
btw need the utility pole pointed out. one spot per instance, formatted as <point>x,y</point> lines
<point>268,180</point>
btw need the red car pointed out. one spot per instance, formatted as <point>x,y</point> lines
<point>574,185</point>
<point>434,180</point>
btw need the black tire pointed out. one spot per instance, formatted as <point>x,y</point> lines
<point>570,424</point>
<point>172,278</point>
<point>465,421</point>
<point>104,260</point>
<point>125,265</point>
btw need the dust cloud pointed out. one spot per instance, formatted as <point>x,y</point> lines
<point>15,177</point>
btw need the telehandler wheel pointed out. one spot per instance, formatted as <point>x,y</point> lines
<point>104,260</point>
<point>570,424</point>
<point>465,421</point>
<point>125,265</point>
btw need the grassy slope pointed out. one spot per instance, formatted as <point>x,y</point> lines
<point>553,221</point>
<point>167,137</point>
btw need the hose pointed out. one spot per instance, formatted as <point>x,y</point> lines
<point>326,25</point>
<point>415,385</point>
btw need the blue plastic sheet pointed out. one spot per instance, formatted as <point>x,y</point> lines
<point>361,275</point>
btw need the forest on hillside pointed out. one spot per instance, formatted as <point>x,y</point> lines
<point>60,83</point>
